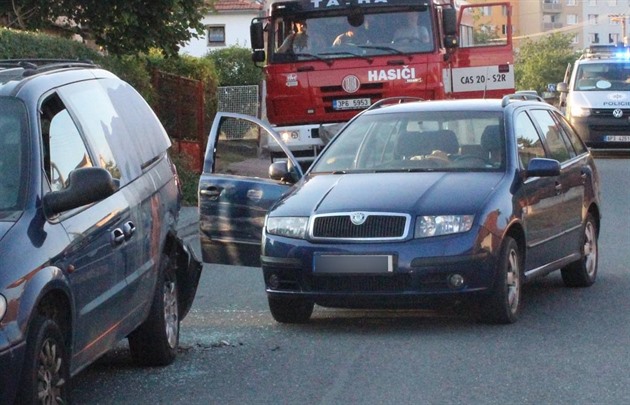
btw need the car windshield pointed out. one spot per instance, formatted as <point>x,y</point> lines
<point>603,77</point>
<point>364,35</point>
<point>417,141</point>
<point>12,140</point>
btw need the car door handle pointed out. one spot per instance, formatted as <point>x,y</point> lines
<point>558,188</point>
<point>117,236</point>
<point>129,229</point>
<point>212,192</point>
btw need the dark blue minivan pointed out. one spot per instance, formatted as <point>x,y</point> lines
<point>89,254</point>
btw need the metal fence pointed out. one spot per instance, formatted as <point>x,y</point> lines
<point>242,100</point>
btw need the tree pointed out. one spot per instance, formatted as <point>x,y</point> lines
<point>544,61</point>
<point>121,27</point>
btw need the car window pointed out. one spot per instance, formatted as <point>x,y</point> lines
<point>552,137</point>
<point>571,135</point>
<point>104,129</point>
<point>13,138</point>
<point>418,140</point>
<point>239,150</point>
<point>146,135</point>
<point>529,143</point>
<point>64,149</point>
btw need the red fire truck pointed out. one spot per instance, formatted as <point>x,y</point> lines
<point>325,60</point>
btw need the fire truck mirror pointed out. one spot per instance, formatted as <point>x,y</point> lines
<point>356,18</point>
<point>256,35</point>
<point>450,41</point>
<point>449,22</point>
<point>258,56</point>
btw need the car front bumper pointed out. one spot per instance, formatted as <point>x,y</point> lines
<point>11,361</point>
<point>425,272</point>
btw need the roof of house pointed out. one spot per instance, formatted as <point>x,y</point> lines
<point>231,5</point>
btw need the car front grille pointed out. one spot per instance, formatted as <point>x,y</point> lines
<point>608,112</point>
<point>376,226</point>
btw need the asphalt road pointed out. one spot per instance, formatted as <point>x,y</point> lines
<point>571,346</point>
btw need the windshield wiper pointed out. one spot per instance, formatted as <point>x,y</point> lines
<point>348,53</point>
<point>329,62</point>
<point>382,48</point>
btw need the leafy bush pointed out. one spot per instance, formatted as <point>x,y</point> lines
<point>32,45</point>
<point>234,66</point>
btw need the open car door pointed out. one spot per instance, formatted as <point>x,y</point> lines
<point>235,188</point>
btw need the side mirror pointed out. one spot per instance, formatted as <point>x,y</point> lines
<point>562,87</point>
<point>282,171</point>
<point>541,167</point>
<point>449,21</point>
<point>85,186</point>
<point>256,34</point>
<point>258,56</point>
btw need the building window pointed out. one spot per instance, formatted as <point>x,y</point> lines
<point>216,35</point>
<point>592,2</point>
<point>613,38</point>
<point>571,3</point>
<point>594,38</point>
<point>576,39</point>
<point>571,19</point>
<point>592,19</point>
<point>612,2</point>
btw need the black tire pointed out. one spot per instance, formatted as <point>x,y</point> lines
<point>46,375</point>
<point>503,304</point>
<point>155,342</point>
<point>290,310</point>
<point>583,272</point>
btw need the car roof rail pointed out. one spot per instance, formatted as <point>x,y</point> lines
<point>393,100</point>
<point>520,97</point>
<point>33,66</point>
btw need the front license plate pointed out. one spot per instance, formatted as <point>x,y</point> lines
<point>351,104</point>
<point>617,138</point>
<point>357,264</point>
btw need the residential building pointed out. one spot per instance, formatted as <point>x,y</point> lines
<point>227,24</point>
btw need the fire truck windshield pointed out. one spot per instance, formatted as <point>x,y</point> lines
<point>366,35</point>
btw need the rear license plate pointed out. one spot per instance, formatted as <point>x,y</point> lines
<point>617,138</point>
<point>351,104</point>
<point>357,264</point>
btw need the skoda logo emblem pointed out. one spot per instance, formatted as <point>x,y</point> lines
<point>617,113</point>
<point>350,84</point>
<point>358,218</point>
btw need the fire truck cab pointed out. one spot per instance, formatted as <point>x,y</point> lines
<point>325,60</point>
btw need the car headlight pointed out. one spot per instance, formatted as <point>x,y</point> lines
<point>580,111</point>
<point>3,306</point>
<point>291,227</point>
<point>437,225</point>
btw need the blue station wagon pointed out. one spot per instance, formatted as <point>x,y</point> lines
<point>411,204</point>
